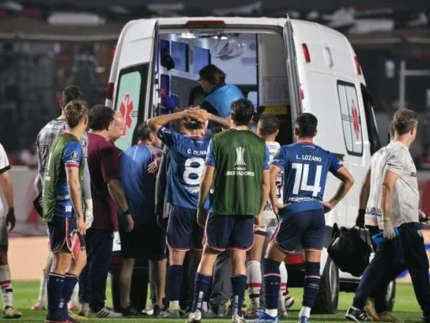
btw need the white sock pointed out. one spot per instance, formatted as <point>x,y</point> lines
<point>75,295</point>
<point>205,306</point>
<point>272,313</point>
<point>305,311</point>
<point>254,279</point>
<point>6,286</point>
<point>283,289</point>
<point>173,305</point>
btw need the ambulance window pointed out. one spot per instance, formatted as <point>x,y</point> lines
<point>372,126</point>
<point>351,119</point>
<point>130,101</point>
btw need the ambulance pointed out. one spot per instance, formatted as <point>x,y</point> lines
<point>283,66</point>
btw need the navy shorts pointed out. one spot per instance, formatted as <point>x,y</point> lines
<point>183,232</point>
<point>60,229</point>
<point>145,240</point>
<point>226,231</point>
<point>306,227</point>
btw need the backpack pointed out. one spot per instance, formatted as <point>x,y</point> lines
<point>349,251</point>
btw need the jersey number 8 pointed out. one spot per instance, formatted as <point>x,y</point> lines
<point>194,167</point>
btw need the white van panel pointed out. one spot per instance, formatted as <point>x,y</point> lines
<point>138,43</point>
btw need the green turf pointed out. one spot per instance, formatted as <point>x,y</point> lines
<point>406,306</point>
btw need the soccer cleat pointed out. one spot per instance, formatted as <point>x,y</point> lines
<point>175,314</point>
<point>11,313</point>
<point>149,311</point>
<point>289,302</point>
<point>38,306</point>
<point>237,319</point>
<point>104,313</point>
<point>253,313</point>
<point>370,310</point>
<point>84,310</point>
<point>76,317</point>
<point>304,319</point>
<point>195,317</point>
<point>130,311</point>
<point>265,318</point>
<point>355,314</point>
<point>388,317</point>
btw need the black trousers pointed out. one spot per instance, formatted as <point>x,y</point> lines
<point>92,282</point>
<point>407,251</point>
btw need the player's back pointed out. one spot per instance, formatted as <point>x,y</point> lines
<point>44,141</point>
<point>239,158</point>
<point>137,182</point>
<point>187,161</point>
<point>65,151</point>
<point>305,167</point>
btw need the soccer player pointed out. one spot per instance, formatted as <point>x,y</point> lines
<point>63,211</point>
<point>147,238</point>
<point>237,165</point>
<point>44,141</point>
<point>267,128</point>
<point>394,199</point>
<point>187,158</point>
<point>305,168</point>
<point>6,221</point>
<point>106,126</point>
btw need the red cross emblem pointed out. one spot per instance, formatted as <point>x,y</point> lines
<point>355,119</point>
<point>126,108</point>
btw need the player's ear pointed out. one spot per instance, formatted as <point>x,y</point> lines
<point>61,104</point>
<point>315,133</point>
<point>296,131</point>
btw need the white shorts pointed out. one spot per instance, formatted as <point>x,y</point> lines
<point>267,227</point>
<point>3,232</point>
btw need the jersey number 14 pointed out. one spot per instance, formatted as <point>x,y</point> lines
<point>301,180</point>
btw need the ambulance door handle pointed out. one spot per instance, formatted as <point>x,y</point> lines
<point>341,157</point>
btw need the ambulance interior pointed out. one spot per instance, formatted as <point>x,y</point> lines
<point>254,62</point>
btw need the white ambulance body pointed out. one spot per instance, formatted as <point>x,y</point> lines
<point>287,66</point>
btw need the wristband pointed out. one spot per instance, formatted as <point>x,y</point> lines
<point>385,220</point>
<point>127,212</point>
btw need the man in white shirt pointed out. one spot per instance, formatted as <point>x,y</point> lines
<point>394,199</point>
<point>6,219</point>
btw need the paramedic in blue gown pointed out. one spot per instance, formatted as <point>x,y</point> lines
<point>219,94</point>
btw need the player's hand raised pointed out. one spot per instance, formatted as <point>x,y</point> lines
<point>201,217</point>
<point>11,219</point>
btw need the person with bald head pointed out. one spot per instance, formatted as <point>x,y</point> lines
<point>106,126</point>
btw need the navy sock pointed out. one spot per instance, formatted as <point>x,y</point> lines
<point>238,284</point>
<point>201,286</point>
<point>55,290</point>
<point>312,283</point>
<point>175,281</point>
<point>272,283</point>
<point>70,282</point>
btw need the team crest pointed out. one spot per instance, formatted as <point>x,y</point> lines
<point>240,160</point>
<point>75,155</point>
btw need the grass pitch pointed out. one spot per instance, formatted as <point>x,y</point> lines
<point>406,307</point>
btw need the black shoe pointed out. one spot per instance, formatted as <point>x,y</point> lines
<point>157,311</point>
<point>425,319</point>
<point>129,311</point>
<point>355,314</point>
